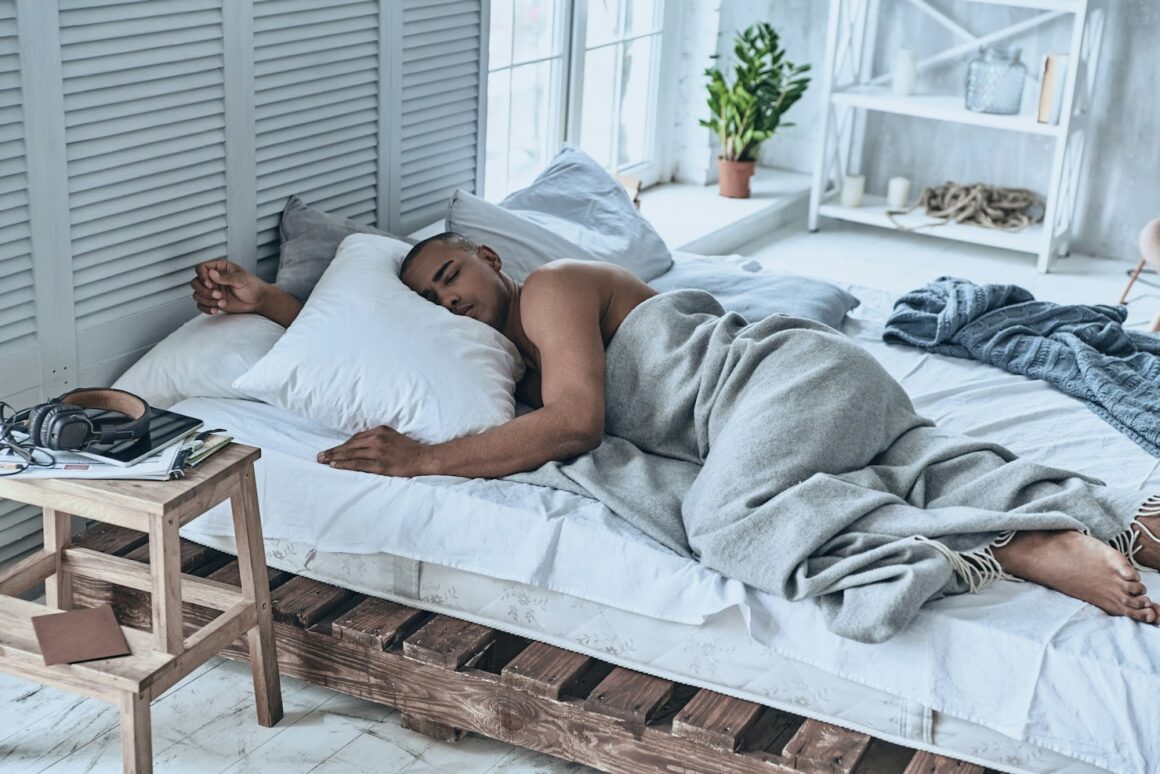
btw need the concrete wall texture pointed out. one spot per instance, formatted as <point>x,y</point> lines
<point>1120,185</point>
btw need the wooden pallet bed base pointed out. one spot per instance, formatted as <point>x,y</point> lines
<point>448,677</point>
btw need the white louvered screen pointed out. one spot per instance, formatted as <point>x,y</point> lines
<point>145,134</point>
<point>439,115</point>
<point>316,73</point>
<point>19,350</point>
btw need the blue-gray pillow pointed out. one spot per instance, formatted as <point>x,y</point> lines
<point>757,296</point>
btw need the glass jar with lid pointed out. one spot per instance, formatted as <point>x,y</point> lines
<point>995,81</point>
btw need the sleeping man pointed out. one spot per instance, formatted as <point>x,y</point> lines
<point>779,452</point>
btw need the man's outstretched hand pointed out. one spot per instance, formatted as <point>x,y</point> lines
<point>223,286</point>
<point>379,450</point>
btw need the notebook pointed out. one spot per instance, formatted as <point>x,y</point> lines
<point>79,635</point>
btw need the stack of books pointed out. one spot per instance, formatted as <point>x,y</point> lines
<point>172,446</point>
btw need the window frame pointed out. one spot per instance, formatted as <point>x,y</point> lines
<point>659,167</point>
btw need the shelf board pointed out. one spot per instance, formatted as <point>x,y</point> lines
<point>940,107</point>
<point>20,655</point>
<point>873,213</point>
<point>1066,6</point>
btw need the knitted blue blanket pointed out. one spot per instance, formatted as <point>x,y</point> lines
<point>1083,351</point>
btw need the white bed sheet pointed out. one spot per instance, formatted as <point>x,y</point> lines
<point>1021,660</point>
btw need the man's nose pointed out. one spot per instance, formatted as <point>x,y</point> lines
<point>452,301</point>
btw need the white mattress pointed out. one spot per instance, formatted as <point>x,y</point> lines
<point>1003,678</point>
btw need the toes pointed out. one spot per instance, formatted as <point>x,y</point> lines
<point>1147,615</point>
<point>1138,603</point>
<point>1135,589</point>
<point>1125,569</point>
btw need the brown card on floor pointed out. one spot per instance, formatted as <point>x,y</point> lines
<point>80,635</point>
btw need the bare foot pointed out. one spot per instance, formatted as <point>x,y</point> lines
<point>1082,567</point>
<point>1149,553</point>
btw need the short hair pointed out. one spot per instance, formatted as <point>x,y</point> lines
<point>453,238</point>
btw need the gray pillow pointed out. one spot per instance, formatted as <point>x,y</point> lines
<point>310,238</point>
<point>757,296</point>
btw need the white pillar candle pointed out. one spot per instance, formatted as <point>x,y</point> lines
<point>905,71</point>
<point>898,193</point>
<point>853,186</point>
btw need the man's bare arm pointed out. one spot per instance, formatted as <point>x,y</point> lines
<point>224,287</point>
<point>561,315</point>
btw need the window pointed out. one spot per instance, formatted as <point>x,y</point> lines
<point>581,71</point>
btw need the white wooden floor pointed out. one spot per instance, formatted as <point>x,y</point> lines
<point>207,724</point>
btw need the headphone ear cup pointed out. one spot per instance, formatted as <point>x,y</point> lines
<point>36,420</point>
<point>65,427</point>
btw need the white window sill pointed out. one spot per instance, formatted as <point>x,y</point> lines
<point>696,219</point>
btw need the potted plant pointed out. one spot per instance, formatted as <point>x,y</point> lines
<point>747,112</point>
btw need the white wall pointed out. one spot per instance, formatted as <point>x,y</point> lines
<point>1119,189</point>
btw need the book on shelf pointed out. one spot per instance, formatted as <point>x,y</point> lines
<point>1051,83</point>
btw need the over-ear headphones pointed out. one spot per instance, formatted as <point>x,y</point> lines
<point>62,424</point>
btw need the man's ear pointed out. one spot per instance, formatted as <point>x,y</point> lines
<point>490,257</point>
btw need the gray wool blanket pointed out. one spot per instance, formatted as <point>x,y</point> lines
<point>782,454</point>
<point>1083,351</point>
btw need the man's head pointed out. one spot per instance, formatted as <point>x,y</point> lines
<point>464,277</point>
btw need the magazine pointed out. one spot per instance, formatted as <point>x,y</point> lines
<point>160,466</point>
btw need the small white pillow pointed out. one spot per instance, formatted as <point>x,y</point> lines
<point>366,350</point>
<point>573,209</point>
<point>201,359</point>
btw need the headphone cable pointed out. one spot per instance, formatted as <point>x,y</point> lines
<point>26,450</point>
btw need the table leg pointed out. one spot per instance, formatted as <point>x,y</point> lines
<point>58,588</point>
<point>256,587</point>
<point>165,564</point>
<point>136,734</point>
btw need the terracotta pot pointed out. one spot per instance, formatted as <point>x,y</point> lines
<point>733,178</point>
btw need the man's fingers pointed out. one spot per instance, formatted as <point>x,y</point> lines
<point>366,466</point>
<point>348,451</point>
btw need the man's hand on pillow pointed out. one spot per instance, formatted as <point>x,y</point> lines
<point>379,450</point>
<point>223,286</point>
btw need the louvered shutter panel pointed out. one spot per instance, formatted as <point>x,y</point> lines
<point>19,347</point>
<point>316,74</point>
<point>440,112</point>
<point>19,351</point>
<point>144,127</point>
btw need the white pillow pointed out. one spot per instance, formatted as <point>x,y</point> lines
<point>201,359</point>
<point>573,209</point>
<point>522,245</point>
<point>366,350</point>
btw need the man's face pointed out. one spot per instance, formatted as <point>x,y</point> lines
<point>466,282</point>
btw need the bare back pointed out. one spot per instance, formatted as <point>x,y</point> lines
<point>568,312</point>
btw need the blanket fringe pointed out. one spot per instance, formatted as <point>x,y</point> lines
<point>978,569</point>
<point>1128,541</point>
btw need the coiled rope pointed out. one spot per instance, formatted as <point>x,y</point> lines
<point>1005,209</point>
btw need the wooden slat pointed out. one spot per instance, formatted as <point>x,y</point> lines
<point>545,670</point>
<point>193,555</point>
<point>716,720</point>
<point>230,574</point>
<point>826,747</point>
<point>374,623</point>
<point>447,642</point>
<point>928,763</point>
<point>431,728</point>
<point>110,539</point>
<point>629,695</point>
<point>302,601</point>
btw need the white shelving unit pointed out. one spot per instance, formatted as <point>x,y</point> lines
<point>850,89</point>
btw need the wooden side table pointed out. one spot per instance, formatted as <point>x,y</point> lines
<point>161,659</point>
